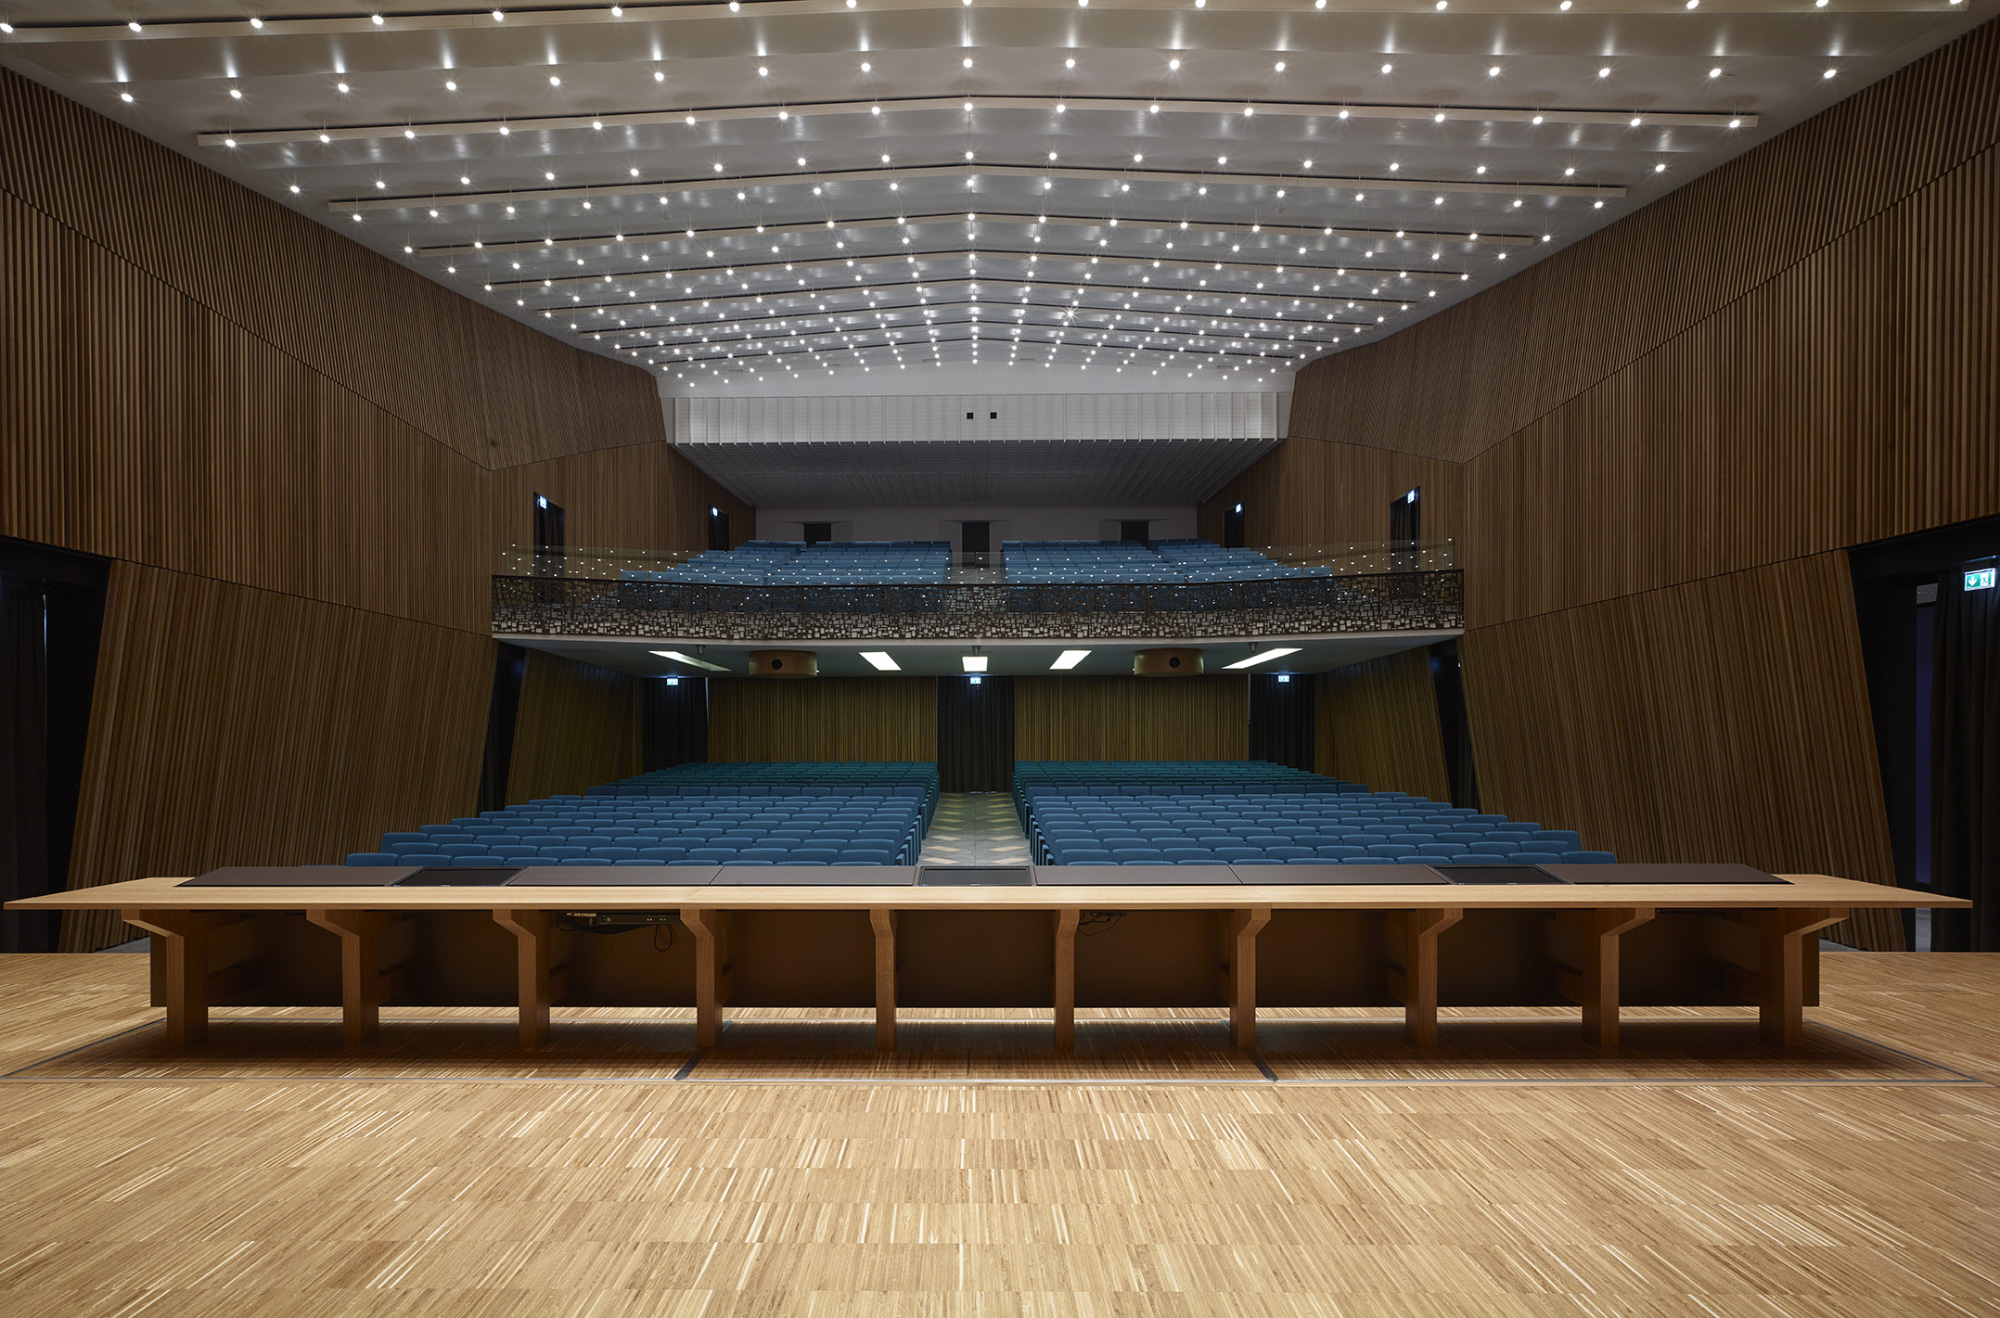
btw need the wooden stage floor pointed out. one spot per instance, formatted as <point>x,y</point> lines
<point>792,1169</point>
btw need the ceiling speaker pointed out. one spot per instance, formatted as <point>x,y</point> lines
<point>784,663</point>
<point>1167,662</point>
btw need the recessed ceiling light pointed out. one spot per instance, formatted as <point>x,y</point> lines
<point>1828,74</point>
<point>1388,68</point>
<point>881,660</point>
<point>450,85</point>
<point>1265,657</point>
<point>343,86</point>
<point>1069,659</point>
<point>974,663</point>
<point>1715,73</point>
<point>690,660</point>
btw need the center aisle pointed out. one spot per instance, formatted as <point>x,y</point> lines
<point>975,828</point>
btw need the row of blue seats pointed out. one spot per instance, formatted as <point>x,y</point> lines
<point>1071,854</point>
<point>855,815</point>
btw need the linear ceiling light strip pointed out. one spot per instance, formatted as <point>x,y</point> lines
<point>1140,105</point>
<point>503,17</point>
<point>845,262</point>
<point>913,173</point>
<point>942,284</point>
<point>978,217</point>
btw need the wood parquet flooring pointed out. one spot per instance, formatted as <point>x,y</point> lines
<point>329,1195</point>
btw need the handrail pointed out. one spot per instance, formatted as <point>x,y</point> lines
<point>1320,560</point>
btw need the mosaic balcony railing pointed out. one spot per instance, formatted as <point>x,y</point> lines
<point>1289,591</point>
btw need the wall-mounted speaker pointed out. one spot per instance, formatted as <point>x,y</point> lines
<point>1167,662</point>
<point>784,663</point>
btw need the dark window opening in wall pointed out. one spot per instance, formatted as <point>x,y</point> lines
<point>718,529</point>
<point>1232,527</point>
<point>1454,727</point>
<point>818,533</point>
<point>1405,518</point>
<point>1139,532</point>
<point>51,614</point>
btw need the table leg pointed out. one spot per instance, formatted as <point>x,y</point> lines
<point>711,971</point>
<point>883,921</point>
<point>186,948</point>
<point>540,983</point>
<point>1065,978</point>
<point>1416,984</point>
<point>1781,936</point>
<point>1595,987</point>
<point>363,987</point>
<point>1239,971</point>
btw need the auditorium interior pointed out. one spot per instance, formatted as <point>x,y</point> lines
<point>944,658</point>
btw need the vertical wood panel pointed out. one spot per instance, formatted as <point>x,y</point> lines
<point>1722,720</point>
<point>823,718</point>
<point>235,726</point>
<point>1132,718</point>
<point>1378,725</point>
<point>577,726</point>
<point>1308,492</point>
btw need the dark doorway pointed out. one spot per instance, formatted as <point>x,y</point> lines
<point>1448,683</point>
<point>509,662</point>
<point>548,525</point>
<point>673,716</point>
<point>1283,707</point>
<point>976,537</point>
<point>1138,532</point>
<point>51,614</point>
<point>1232,527</point>
<point>1405,518</point>
<point>1930,676</point>
<point>975,720</point>
<point>818,533</point>
<point>718,529</point>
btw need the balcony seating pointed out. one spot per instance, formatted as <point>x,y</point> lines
<point>778,563</point>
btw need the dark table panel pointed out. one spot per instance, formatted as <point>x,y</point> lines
<point>614,876</point>
<point>1601,874</point>
<point>302,876</point>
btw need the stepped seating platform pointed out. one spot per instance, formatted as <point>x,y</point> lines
<point>1254,813</point>
<point>864,813</point>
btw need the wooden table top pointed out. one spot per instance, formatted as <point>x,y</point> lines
<point>1798,890</point>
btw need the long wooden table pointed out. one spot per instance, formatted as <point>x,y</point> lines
<point>858,937</point>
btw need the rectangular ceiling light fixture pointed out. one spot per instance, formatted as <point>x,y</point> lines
<point>690,660</point>
<point>1265,657</point>
<point>1069,659</point>
<point>883,663</point>
<point>975,663</point>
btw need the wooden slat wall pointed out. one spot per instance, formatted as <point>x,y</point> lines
<point>308,450</point>
<point>643,496</point>
<point>1797,352</point>
<point>236,726</point>
<point>1721,720</point>
<point>823,718</point>
<point>1308,492</point>
<point>578,725</point>
<point>489,387</point>
<point>1454,384</point>
<point>1132,718</point>
<point>1377,723</point>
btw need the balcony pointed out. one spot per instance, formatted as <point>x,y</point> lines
<point>1039,594</point>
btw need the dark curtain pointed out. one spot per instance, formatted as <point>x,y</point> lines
<point>1965,766</point>
<point>673,722</point>
<point>1281,719</point>
<point>975,734</point>
<point>24,757</point>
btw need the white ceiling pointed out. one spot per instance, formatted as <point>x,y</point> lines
<point>1321,654</point>
<point>1528,123</point>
